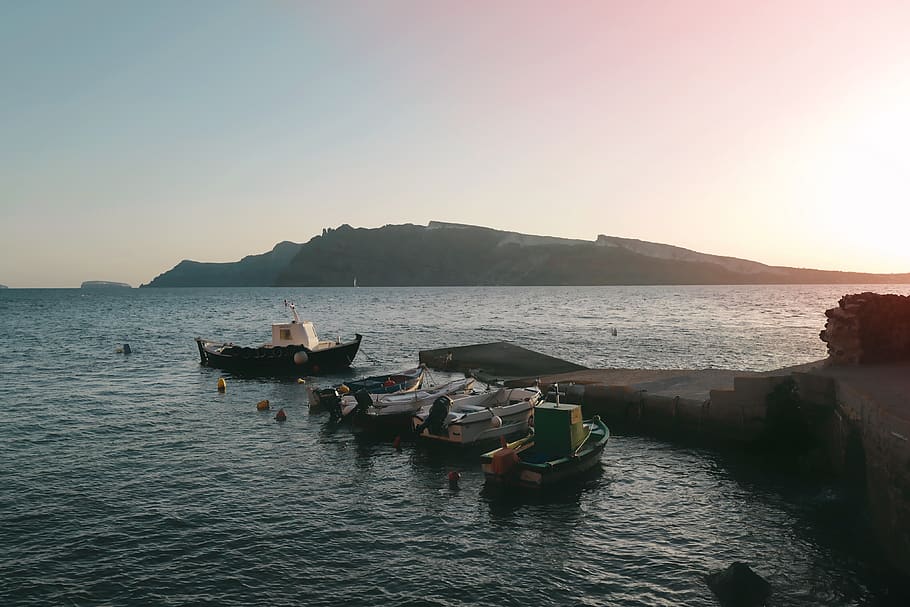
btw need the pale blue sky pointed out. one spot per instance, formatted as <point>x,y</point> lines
<point>137,134</point>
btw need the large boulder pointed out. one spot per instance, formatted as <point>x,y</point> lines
<point>739,586</point>
<point>868,328</point>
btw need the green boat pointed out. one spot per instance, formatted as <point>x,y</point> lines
<point>562,446</point>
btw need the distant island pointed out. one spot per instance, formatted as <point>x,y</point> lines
<point>104,284</point>
<point>448,254</point>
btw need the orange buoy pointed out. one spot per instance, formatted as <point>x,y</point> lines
<point>262,405</point>
<point>222,385</point>
<point>281,415</point>
<point>453,477</point>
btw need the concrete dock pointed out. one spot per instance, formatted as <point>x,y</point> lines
<point>852,421</point>
<point>517,366</point>
<point>692,384</point>
<point>497,360</point>
<point>868,438</point>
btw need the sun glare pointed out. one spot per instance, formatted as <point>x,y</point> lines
<point>865,186</point>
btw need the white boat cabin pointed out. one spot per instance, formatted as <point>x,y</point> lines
<point>298,333</point>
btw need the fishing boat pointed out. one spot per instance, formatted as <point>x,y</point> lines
<point>295,349</point>
<point>476,419</point>
<point>408,380</point>
<point>380,412</point>
<point>561,447</point>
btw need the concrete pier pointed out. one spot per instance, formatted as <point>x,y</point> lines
<point>852,421</point>
<point>849,421</point>
<point>707,406</point>
<point>868,439</point>
<point>498,360</point>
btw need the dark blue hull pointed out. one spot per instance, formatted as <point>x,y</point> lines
<point>387,384</point>
<point>278,361</point>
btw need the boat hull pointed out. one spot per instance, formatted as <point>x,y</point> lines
<point>480,433</point>
<point>382,423</point>
<point>535,479</point>
<point>277,361</point>
<point>478,420</point>
<point>544,474</point>
<point>392,412</point>
<point>404,382</point>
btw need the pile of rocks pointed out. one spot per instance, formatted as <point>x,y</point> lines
<point>868,328</point>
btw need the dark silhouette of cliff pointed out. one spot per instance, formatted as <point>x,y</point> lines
<point>452,254</point>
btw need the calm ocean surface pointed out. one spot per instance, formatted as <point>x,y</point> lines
<point>129,480</point>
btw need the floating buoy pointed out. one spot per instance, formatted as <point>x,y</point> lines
<point>300,380</point>
<point>281,415</point>
<point>222,385</point>
<point>397,443</point>
<point>453,477</point>
<point>300,358</point>
<point>262,405</point>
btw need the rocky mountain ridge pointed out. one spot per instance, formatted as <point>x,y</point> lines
<point>451,254</point>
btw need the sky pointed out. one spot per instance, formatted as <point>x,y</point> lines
<point>134,135</point>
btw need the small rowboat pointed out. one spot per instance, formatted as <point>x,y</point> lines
<point>382,412</point>
<point>561,447</point>
<point>476,419</point>
<point>405,381</point>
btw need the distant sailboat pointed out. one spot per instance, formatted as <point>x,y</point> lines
<point>355,282</point>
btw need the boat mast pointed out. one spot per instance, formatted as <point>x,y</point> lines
<point>293,307</point>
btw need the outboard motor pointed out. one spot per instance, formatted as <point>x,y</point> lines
<point>364,401</point>
<point>331,401</point>
<point>436,418</point>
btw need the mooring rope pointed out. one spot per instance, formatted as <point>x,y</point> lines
<point>367,355</point>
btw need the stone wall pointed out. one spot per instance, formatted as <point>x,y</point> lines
<point>885,461</point>
<point>868,328</point>
<point>728,417</point>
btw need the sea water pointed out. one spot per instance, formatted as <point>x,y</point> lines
<point>130,480</point>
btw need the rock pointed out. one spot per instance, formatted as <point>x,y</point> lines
<point>739,586</point>
<point>868,328</point>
